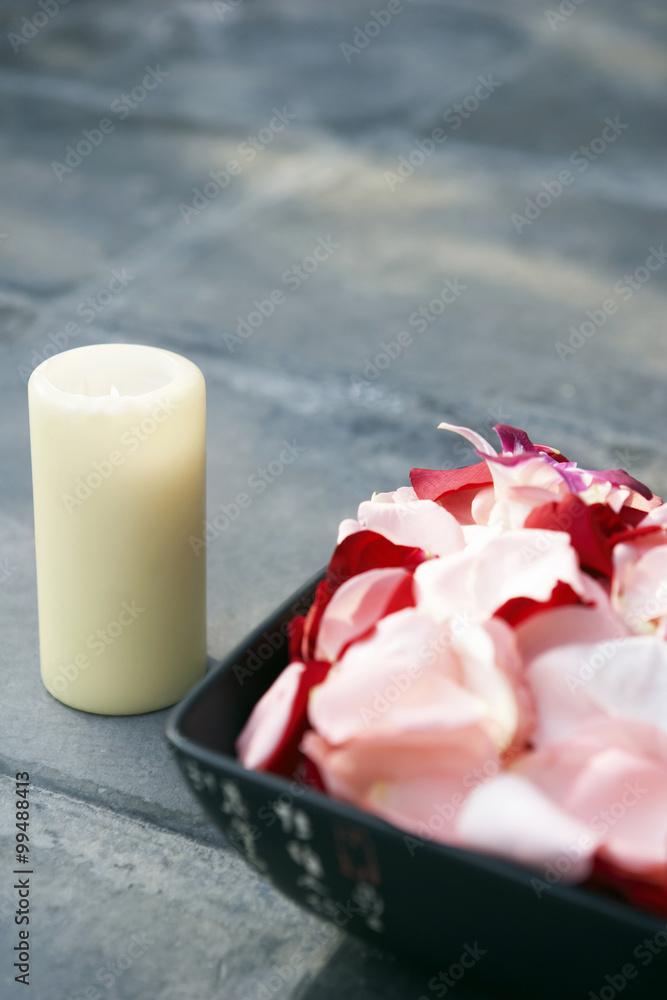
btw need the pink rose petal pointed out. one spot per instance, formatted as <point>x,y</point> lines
<point>266,726</point>
<point>612,775</point>
<point>639,590</point>
<point>480,580</point>
<point>403,677</point>
<point>417,786</point>
<point>356,607</point>
<point>402,523</point>
<point>510,816</point>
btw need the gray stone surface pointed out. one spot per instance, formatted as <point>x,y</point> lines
<point>102,882</point>
<point>122,847</point>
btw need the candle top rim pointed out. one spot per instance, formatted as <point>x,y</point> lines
<point>110,373</point>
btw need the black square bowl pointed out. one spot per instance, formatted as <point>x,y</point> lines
<point>436,905</point>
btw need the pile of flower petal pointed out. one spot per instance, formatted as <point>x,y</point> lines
<point>485,665</point>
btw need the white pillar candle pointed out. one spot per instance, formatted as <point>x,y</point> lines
<point>119,467</point>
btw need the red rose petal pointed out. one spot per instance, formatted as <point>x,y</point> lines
<point>286,758</point>
<point>590,528</point>
<point>357,553</point>
<point>646,895</point>
<point>295,636</point>
<point>432,484</point>
<point>518,609</point>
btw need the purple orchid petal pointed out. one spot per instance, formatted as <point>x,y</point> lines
<point>570,473</point>
<point>618,477</point>
<point>513,440</point>
<point>517,447</point>
<point>568,470</point>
